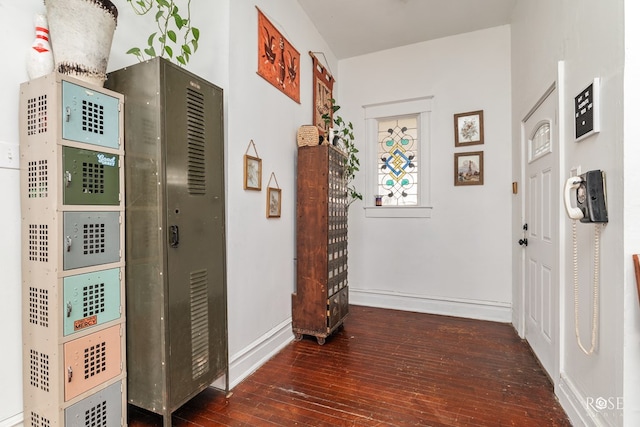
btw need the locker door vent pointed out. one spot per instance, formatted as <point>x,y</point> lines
<point>37,115</point>
<point>92,178</point>
<point>196,141</point>
<point>93,300</point>
<point>92,117</point>
<point>93,239</point>
<point>38,242</point>
<point>39,370</point>
<point>39,307</point>
<point>38,179</point>
<point>199,323</point>
<point>96,416</point>
<point>95,360</point>
<point>39,421</point>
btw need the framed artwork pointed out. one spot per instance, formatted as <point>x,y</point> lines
<point>274,202</point>
<point>252,173</point>
<point>468,168</point>
<point>469,128</point>
<point>278,60</point>
<point>322,94</point>
<point>252,169</point>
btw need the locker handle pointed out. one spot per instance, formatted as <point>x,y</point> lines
<point>69,374</point>
<point>67,178</point>
<point>69,308</point>
<point>68,114</point>
<point>174,236</point>
<point>67,242</point>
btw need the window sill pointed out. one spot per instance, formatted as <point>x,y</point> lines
<point>398,212</point>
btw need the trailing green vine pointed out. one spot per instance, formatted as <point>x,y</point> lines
<point>171,25</point>
<point>343,131</point>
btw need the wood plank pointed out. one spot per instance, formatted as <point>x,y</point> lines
<point>387,368</point>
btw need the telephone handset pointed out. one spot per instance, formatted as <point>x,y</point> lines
<point>591,200</point>
<point>591,206</point>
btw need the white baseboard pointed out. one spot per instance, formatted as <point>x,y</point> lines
<point>249,359</point>
<point>473,309</point>
<point>582,413</point>
<point>15,421</point>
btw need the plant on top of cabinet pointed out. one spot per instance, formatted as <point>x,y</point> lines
<point>175,35</point>
<point>344,139</point>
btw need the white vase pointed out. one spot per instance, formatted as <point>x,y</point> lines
<point>81,36</point>
<point>40,58</point>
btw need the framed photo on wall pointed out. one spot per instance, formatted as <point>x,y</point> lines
<point>274,202</point>
<point>252,173</point>
<point>468,168</point>
<point>469,128</point>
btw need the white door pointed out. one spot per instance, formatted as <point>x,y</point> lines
<point>541,195</point>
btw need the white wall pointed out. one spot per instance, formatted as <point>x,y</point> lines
<point>588,36</point>
<point>261,251</point>
<point>16,33</point>
<point>631,215</point>
<point>457,261</point>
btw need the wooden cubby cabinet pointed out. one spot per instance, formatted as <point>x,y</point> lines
<point>321,300</point>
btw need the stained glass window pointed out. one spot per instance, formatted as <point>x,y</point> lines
<point>398,160</point>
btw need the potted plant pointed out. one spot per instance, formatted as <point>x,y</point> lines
<point>344,138</point>
<point>175,39</point>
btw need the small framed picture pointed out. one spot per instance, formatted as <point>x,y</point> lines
<point>274,202</point>
<point>469,128</point>
<point>252,173</point>
<point>468,168</point>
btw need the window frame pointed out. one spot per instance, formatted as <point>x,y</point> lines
<point>372,114</point>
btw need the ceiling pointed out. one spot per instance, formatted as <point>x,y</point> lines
<point>358,27</point>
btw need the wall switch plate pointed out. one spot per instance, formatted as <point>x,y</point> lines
<point>9,155</point>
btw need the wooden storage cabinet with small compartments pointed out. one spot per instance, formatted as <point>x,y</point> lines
<point>321,301</point>
<point>72,202</point>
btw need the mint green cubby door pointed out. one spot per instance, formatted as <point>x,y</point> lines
<point>91,299</point>
<point>90,116</point>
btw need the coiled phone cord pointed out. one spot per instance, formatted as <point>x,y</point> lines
<point>596,285</point>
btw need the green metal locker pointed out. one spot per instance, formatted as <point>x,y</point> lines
<point>175,234</point>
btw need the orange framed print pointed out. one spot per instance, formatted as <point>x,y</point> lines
<point>468,168</point>
<point>469,128</point>
<point>322,95</point>
<point>278,60</point>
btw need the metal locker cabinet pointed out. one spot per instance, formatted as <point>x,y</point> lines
<point>90,177</point>
<point>90,115</point>
<point>91,238</point>
<point>72,229</point>
<point>91,299</point>
<point>176,276</point>
<point>101,409</point>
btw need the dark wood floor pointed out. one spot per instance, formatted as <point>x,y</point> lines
<point>387,368</point>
